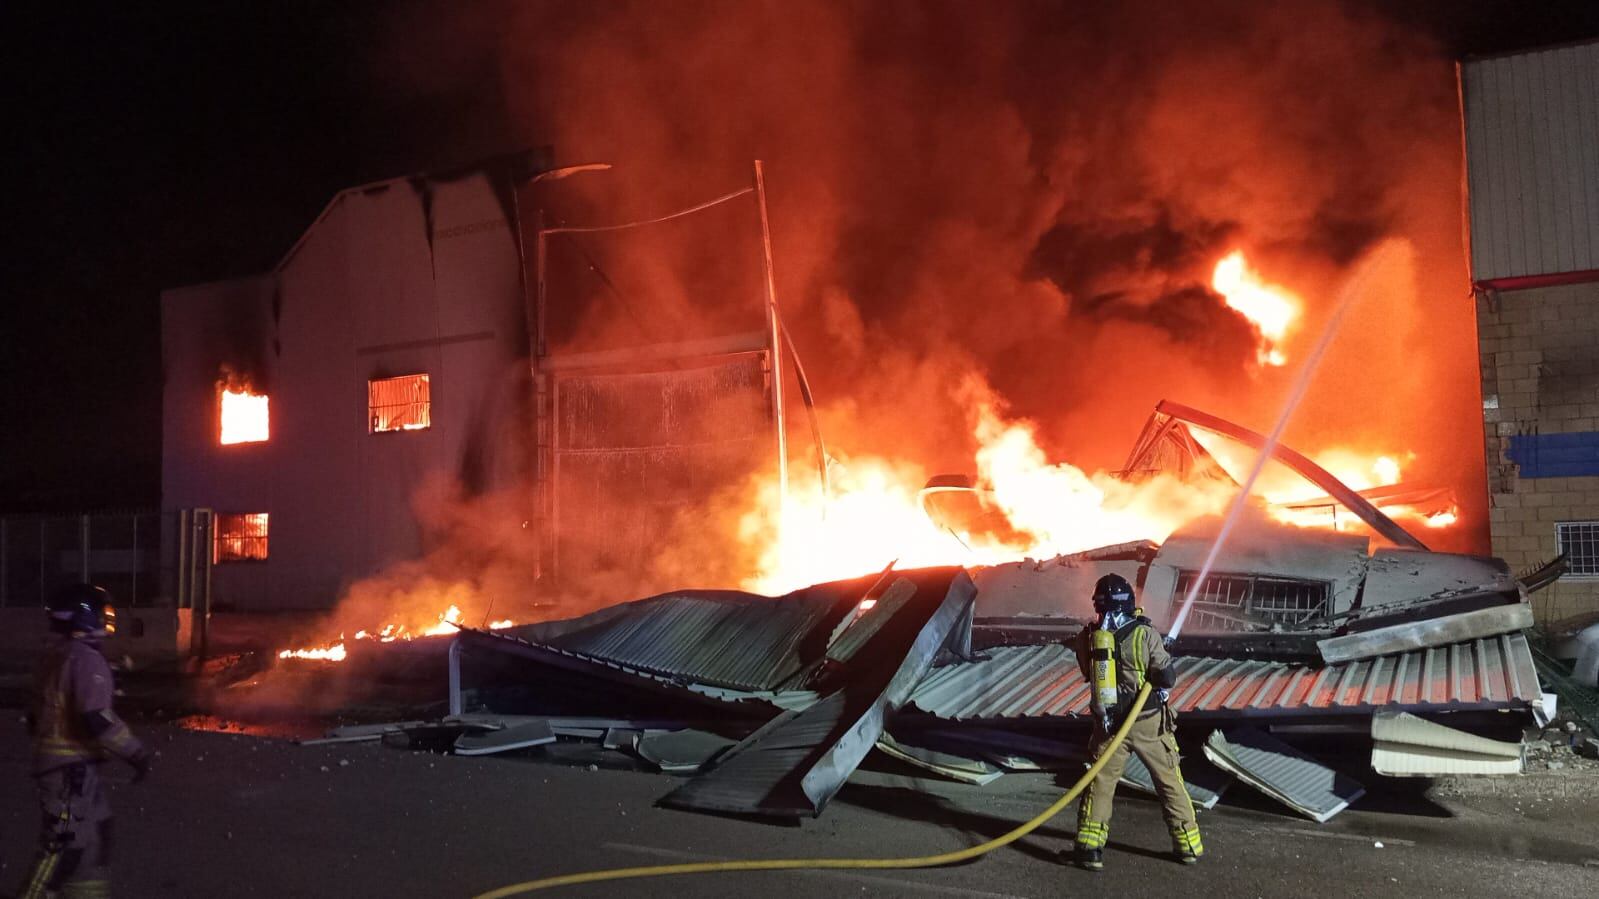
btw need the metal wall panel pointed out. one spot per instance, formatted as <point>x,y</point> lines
<point>1532,161</point>
<point>1044,681</point>
<point>639,453</point>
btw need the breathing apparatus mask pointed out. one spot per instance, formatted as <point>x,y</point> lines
<point>1115,606</point>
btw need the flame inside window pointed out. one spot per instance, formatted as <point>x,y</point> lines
<point>244,415</point>
<point>240,536</point>
<point>399,404</point>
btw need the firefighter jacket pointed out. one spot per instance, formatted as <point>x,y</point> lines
<point>1140,654</point>
<point>71,716</point>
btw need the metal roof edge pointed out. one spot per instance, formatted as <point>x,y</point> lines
<point>1528,51</point>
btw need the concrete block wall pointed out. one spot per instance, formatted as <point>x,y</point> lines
<point>1540,370</point>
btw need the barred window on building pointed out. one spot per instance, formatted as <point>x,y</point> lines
<point>399,404</point>
<point>240,536</point>
<point>1579,543</point>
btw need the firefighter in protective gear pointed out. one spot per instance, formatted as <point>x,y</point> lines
<point>1124,649</point>
<point>74,732</point>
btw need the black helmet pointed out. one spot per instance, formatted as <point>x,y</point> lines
<point>82,607</point>
<point>1112,593</point>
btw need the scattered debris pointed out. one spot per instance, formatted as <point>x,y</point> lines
<point>1282,772</point>
<point>794,763</point>
<point>520,736</point>
<point>947,764</point>
<point>682,751</point>
<point>1408,746</point>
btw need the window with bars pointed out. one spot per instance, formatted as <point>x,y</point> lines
<point>240,536</point>
<point>1579,543</point>
<point>1243,602</point>
<point>399,404</point>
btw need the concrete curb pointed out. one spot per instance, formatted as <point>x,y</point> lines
<point>1539,785</point>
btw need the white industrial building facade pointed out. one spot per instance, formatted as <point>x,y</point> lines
<point>1532,160</point>
<point>386,346</point>
<point>398,346</point>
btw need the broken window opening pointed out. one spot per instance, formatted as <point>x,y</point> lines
<point>243,415</point>
<point>240,537</point>
<point>1578,541</point>
<point>404,403</point>
<point>1244,602</point>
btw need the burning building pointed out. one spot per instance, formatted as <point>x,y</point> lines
<point>1531,128</point>
<point>307,405</point>
<point>391,391</point>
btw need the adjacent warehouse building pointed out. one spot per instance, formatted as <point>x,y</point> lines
<point>1532,161</point>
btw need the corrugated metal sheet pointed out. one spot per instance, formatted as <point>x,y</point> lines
<point>762,774</point>
<point>1282,772</point>
<point>1532,161</point>
<point>1044,681</point>
<point>720,638</point>
<point>796,762</point>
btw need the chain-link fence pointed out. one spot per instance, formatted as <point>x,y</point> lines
<point>132,554</point>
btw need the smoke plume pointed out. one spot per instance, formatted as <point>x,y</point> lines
<point>1036,193</point>
<point>1030,197</point>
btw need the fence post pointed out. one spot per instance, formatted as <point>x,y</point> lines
<point>83,549</point>
<point>181,538</point>
<point>133,591</point>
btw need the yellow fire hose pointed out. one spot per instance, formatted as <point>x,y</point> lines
<point>786,864</point>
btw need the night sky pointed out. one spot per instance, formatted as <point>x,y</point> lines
<point>160,144</point>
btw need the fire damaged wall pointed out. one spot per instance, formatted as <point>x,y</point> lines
<point>406,277</point>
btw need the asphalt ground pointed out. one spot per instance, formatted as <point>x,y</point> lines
<point>241,816</point>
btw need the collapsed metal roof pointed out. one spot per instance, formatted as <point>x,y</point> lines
<point>715,637</point>
<point>1045,682</point>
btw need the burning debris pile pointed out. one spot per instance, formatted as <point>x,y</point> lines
<point>770,703</point>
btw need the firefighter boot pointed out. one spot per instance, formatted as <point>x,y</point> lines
<point>1090,859</point>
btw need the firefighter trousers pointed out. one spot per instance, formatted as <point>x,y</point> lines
<point>75,835</point>
<point>1153,739</point>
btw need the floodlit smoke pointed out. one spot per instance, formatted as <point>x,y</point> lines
<point>1030,198</point>
<point>1039,195</point>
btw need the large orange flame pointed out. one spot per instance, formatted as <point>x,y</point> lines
<point>875,514</point>
<point>448,622</point>
<point>1271,309</point>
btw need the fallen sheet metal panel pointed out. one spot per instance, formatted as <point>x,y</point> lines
<point>493,742</point>
<point>1044,682</point>
<point>946,764</point>
<point>796,762</point>
<point>623,738</point>
<point>867,622</point>
<point>1283,772</point>
<point>1008,749</point>
<point>683,751</point>
<point>471,641</point>
<point>722,638</point>
<point>1449,629</point>
<point>1408,746</point>
<point>1205,795</point>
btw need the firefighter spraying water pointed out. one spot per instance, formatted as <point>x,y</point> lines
<point>1120,655</point>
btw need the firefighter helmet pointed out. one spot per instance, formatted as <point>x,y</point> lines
<point>1113,594</point>
<point>82,608</point>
